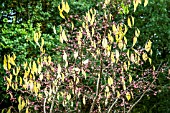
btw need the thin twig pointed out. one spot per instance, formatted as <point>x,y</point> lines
<point>97,92</point>
<point>112,105</point>
<point>44,104</point>
<point>98,84</point>
<point>52,104</point>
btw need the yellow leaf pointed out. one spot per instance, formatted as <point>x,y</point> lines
<point>125,66</point>
<point>145,56</point>
<point>110,38</point>
<point>23,104</point>
<point>128,96</point>
<point>72,25</point>
<point>118,94</point>
<point>117,54</point>
<point>75,54</point>
<point>92,31</point>
<point>84,100</point>
<point>42,42</point>
<point>104,43</point>
<point>49,60</point>
<point>64,37</point>
<point>129,23</point>
<point>61,14</point>
<point>148,46</point>
<point>127,53</point>
<point>134,41</point>
<point>83,73</point>
<point>112,57</point>
<point>27,110</point>
<point>114,29</point>
<point>34,68</point>
<point>41,77</point>
<point>130,78</point>
<point>5,63</point>
<point>9,66</point>
<point>145,3</point>
<point>54,30</point>
<point>120,44</point>
<point>68,96</point>
<point>126,29</point>
<point>132,20</point>
<point>132,57</point>
<point>137,32</point>
<point>150,60</point>
<point>9,81</point>
<point>65,56</point>
<point>67,8</point>
<point>9,110</point>
<point>107,89</point>
<point>135,3</point>
<point>25,65</point>
<point>110,81</point>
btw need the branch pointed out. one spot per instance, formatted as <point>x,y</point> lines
<point>44,104</point>
<point>98,84</point>
<point>144,92</point>
<point>112,105</point>
<point>97,92</point>
<point>51,109</point>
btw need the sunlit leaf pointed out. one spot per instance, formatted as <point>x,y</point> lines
<point>67,8</point>
<point>129,23</point>
<point>75,54</point>
<point>86,61</point>
<point>137,32</point>
<point>120,44</point>
<point>148,46</point>
<point>5,63</point>
<point>144,56</point>
<point>27,110</point>
<point>117,54</point>
<point>132,20</point>
<point>145,3</point>
<point>9,110</point>
<point>104,43</point>
<point>150,60</point>
<point>118,94</point>
<point>112,57</point>
<point>107,89</point>
<point>68,96</point>
<point>65,56</point>
<point>128,96</point>
<point>23,104</point>
<point>130,78</point>
<point>134,41</point>
<point>110,81</point>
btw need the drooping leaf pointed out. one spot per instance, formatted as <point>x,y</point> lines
<point>145,3</point>
<point>134,41</point>
<point>104,43</point>
<point>148,46</point>
<point>129,23</point>
<point>130,78</point>
<point>144,56</point>
<point>110,81</point>
<point>128,96</point>
<point>84,100</point>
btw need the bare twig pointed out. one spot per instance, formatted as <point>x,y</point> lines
<point>45,99</point>
<point>97,92</point>
<point>52,104</point>
<point>112,105</point>
<point>98,84</point>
